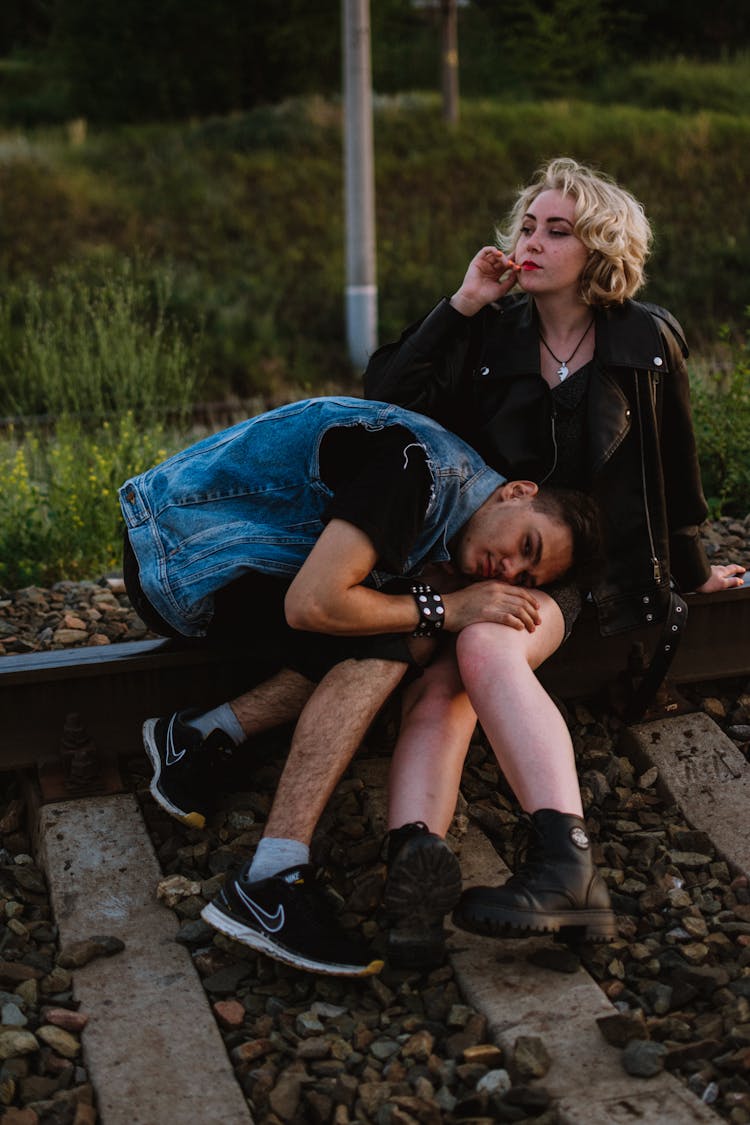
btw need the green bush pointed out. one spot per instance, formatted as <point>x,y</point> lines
<point>31,93</point>
<point>721,412</point>
<point>245,213</point>
<point>682,85</point>
<point>59,515</point>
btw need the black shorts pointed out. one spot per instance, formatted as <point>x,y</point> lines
<point>249,612</point>
<point>569,599</point>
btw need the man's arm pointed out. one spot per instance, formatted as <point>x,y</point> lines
<point>327,595</point>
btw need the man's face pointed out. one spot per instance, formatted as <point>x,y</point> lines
<point>508,540</point>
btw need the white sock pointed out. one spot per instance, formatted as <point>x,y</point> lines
<point>275,854</point>
<point>223,718</point>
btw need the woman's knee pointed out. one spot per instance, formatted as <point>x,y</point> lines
<point>436,693</point>
<point>504,648</point>
<point>483,642</point>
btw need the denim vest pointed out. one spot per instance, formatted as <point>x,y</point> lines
<point>251,498</point>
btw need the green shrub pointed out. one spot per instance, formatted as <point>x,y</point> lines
<point>721,413</point>
<point>31,92</point>
<point>683,85</point>
<point>59,514</point>
<point>245,214</point>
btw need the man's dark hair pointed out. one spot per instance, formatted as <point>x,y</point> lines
<point>581,514</point>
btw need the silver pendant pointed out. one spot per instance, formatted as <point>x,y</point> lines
<point>562,371</point>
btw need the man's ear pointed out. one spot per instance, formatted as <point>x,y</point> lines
<point>519,490</point>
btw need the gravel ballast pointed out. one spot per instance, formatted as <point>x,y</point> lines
<point>401,1047</point>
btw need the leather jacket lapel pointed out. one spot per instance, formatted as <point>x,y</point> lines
<point>609,417</point>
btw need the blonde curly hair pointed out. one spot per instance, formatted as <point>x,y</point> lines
<point>609,221</point>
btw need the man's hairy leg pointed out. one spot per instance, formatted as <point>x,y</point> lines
<point>328,733</point>
<point>276,701</point>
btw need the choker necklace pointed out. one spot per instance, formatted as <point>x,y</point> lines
<point>563,370</point>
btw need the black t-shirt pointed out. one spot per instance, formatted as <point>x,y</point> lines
<point>381,484</point>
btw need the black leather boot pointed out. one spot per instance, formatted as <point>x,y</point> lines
<point>422,886</point>
<point>555,887</point>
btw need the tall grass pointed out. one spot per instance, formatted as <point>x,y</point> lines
<point>94,348</point>
<point>59,515</point>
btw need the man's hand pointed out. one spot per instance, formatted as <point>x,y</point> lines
<point>490,275</point>
<point>491,601</point>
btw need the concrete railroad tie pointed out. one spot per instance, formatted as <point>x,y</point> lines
<point>150,1018</point>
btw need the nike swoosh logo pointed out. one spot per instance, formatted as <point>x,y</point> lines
<point>271,922</point>
<point>172,756</point>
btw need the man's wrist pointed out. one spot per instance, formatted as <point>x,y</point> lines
<point>430,608</point>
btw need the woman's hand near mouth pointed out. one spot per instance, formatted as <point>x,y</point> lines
<point>490,275</point>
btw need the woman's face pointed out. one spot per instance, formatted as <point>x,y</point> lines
<point>549,253</point>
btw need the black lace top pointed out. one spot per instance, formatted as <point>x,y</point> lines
<point>571,431</point>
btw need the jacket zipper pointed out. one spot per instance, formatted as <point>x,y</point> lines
<point>655,564</point>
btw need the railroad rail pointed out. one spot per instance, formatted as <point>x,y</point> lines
<point>72,714</point>
<point>112,689</point>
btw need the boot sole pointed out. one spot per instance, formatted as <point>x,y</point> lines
<point>591,925</point>
<point>423,885</point>
<point>192,819</point>
<point>263,944</point>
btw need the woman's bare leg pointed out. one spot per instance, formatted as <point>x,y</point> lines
<point>524,727</point>
<point>436,727</point>
<point>556,887</point>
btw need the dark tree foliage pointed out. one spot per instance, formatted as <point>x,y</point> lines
<point>692,28</point>
<point>643,30</point>
<point>544,47</point>
<point>140,60</point>
<point>147,60</point>
<point>24,25</point>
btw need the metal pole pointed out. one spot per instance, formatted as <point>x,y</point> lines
<point>449,15</point>
<point>361,287</point>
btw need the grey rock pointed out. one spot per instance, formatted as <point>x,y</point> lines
<point>224,981</point>
<point>194,932</point>
<point>383,1048</point>
<point>495,1082</point>
<point>12,1016</point>
<point>643,1058</point>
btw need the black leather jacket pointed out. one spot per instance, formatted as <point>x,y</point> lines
<point>479,376</point>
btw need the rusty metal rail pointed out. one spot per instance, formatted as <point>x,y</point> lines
<point>61,706</point>
<point>715,646</point>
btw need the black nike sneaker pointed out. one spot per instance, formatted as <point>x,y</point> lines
<point>289,917</point>
<point>423,884</point>
<point>186,766</point>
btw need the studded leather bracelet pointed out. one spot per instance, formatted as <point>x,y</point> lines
<point>431,610</point>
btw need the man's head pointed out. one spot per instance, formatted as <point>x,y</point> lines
<point>529,537</point>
